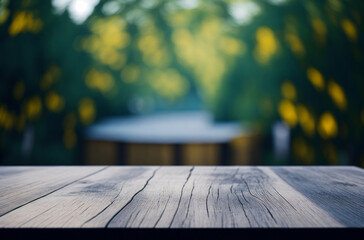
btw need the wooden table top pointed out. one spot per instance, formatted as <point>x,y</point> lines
<point>181,197</point>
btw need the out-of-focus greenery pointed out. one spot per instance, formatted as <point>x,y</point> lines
<point>253,61</point>
<point>50,88</point>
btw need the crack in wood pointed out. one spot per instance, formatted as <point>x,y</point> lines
<point>85,210</point>
<point>135,216</point>
<point>180,197</point>
<point>283,198</point>
<point>131,199</point>
<point>104,209</point>
<point>164,209</point>
<point>242,205</point>
<point>228,201</point>
<point>189,203</point>
<point>207,198</point>
<point>261,201</point>
<point>145,214</point>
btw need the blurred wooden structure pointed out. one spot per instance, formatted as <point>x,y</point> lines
<point>182,138</point>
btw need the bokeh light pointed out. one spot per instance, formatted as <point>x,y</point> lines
<point>66,64</point>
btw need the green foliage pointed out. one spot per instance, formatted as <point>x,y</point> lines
<point>45,101</point>
<point>257,62</point>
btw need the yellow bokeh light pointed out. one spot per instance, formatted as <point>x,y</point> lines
<point>231,46</point>
<point>306,120</point>
<point>267,44</point>
<point>108,56</point>
<point>181,37</point>
<point>288,113</point>
<point>295,44</point>
<point>86,110</point>
<point>202,53</point>
<point>288,90</point>
<point>101,80</point>
<point>149,43</point>
<point>54,101</point>
<point>153,47</point>
<point>25,21</point>
<point>169,83</point>
<point>320,29</point>
<point>337,94</point>
<point>119,63</point>
<point>159,58</point>
<point>210,28</point>
<point>178,18</point>
<point>7,119</point>
<point>33,107</point>
<point>327,126</point>
<point>107,42</point>
<point>349,29</point>
<point>315,78</point>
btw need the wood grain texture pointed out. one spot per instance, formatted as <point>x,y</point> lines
<point>182,197</point>
<point>21,185</point>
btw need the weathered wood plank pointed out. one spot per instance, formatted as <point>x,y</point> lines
<point>244,197</point>
<point>337,190</point>
<point>156,205</point>
<point>91,201</point>
<point>21,185</point>
<point>195,197</point>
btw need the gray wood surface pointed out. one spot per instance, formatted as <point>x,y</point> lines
<point>181,197</point>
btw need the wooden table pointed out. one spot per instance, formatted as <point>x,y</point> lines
<point>181,197</point>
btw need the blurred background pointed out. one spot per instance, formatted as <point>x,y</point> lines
<point>270,82</point>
